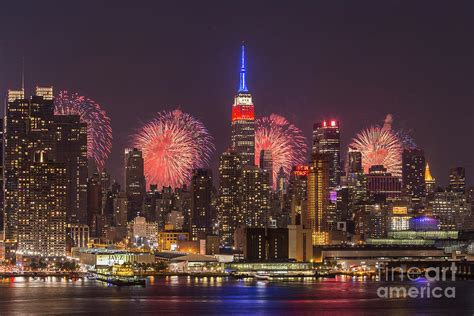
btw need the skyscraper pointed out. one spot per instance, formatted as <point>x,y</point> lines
<point>29,128</point>
<point>2,194</point>
<point>326,140</point>
<point>41,213</point>
<point>457,179</point>
<point>135,184</point>
<point>318,198</point>
<point>266,163</point>
<point>71,149</point>
<point>201,209</point>
<point>230,215</point>
<point>255,197</point>
<point>413,173</point>
<point>354,161</point>
<point>430,181</point>
<point>243,120</point>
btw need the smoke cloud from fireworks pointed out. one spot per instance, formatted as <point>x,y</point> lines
<point>285,141</point>
<point>99,131</point>
<point>173,144</point>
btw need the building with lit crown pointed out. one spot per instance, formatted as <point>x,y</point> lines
<point>243,120</point>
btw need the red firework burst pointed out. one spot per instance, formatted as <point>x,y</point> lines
<point>173,144</point>
<point>285,141</point>
<point>379,146</point>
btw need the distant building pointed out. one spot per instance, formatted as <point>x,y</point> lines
<point>266,244</point>
<point>229,195</point>
<point>243,120</point>
<point>326,140</point>
<point>135,185</point>
<point>266,164</point>
<point>320,219</point>
<point>457,179</point>
<point>413,173</point>
<point>201,208</point>
<point>382,183</point>
<point>255,197</point>
<point>430,181</point>
<point>451,208</point>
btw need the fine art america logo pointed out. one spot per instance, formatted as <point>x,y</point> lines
<point>415,274</point>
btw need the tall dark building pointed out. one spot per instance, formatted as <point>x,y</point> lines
<point>297,194</point>
<point>229,211</point>
<point>2,194</point>
<point>354,161</point>
<point>266,244</point>
<point>243,120</point>
<point>381,184</point>
<point>95,219</point>
<point>326,140</point>
<point>29,128</point>
<point>457,179</point>
<point>266,163</point>
<point>413,173</point>
<point>135,184</point>
<point>71,145</point>
<point>201,208</point>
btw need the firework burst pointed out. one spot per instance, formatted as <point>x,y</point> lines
<point>285,141</point>
<point>380,146</point>
<point>173,144</point>
<point>99,132</point>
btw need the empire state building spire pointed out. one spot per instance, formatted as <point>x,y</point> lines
<point>242,83</point>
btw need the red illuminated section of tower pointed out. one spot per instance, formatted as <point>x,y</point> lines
<point>243,111</point>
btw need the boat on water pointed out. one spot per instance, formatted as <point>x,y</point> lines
<point>117,275</point>
<point>261,277</point>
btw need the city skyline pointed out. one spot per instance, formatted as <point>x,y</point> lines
<point>308,99</point>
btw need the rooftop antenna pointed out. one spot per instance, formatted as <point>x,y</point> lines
<point>23,74</point>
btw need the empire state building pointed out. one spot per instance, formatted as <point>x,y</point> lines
<point>243,120</point>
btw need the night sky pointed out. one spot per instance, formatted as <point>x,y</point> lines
<point>352,60</point>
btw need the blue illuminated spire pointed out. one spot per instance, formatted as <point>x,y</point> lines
<point>242,83</point>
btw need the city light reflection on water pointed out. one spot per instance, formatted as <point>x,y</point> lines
<point>212,295</point>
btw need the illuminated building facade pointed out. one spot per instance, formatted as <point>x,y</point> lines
<point>413,173</point>
<point>451,208</point>
<point>201,208</point>
<point>326,140</point>
<point>430,181</point>
<point>255,198</point>
<point>297,194</point>
<point>29,127</point>
<point>229,211</point>
<point>457,179</point>
<point>135,184</point>
<point>41,214</point>
<point>318,199</point>
<point>243,120</point>
<point>382,183</point>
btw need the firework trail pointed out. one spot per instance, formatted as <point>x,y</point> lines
<point>173,144</point>
<point>285,141</point>
<point>99,132</point>
<point>380,146</point>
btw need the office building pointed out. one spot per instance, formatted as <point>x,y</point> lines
<point>135,185</point>
<point>201,208</point>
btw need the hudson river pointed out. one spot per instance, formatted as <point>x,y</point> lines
<point>191,296</point>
